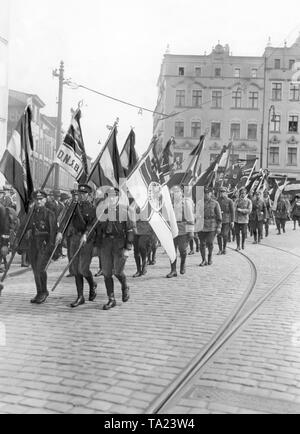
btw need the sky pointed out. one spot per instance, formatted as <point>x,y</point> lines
<point>117,47</point>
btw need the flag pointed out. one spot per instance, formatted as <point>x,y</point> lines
<point>129,156</point>
<point>15,164</point>
<point>71,155</point>
<point>194,170</point>
<point>277,191</point>
<point>167,160</point>
<point>209,176</point>
<point>107,169</point>
<point>146,186</point>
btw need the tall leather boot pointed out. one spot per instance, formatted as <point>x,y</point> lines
<point>225,247</point>
<point>125,288</point>
<point>238,242</point>
<point>203,254</point>
<point>44,294</point>
<point>109,283</point>
<point>93,287</point>
<point>220,244</point>
<point>144,265</point>
<point>183,265</point>
<point>80,299</point>
<point>210,255</point>
<point>138,266</point>
<point>173,271</point>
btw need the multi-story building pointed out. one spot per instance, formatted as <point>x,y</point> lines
<point>282,109</point>
<point>44,138</point>
<point>227,98</point>
<point>4,20</point>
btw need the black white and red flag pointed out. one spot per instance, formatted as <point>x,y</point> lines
<point>15,164</point>
<point>129,156</point>
<point>147,187</point>
<point>71,155</point>
<point>107,169</point>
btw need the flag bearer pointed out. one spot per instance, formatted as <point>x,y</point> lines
<point>212,226</point>
<point>227,209</point>
<point>185,216</point>
<point>81,223</point>
<point>41,235</point>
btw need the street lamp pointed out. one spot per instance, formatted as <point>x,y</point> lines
<point>273,112</point>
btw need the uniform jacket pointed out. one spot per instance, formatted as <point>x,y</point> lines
<point>259,211</point>
<point>212,216</point>
<point>245,208</point>
<point>185,216</point>
<point>227,209</point>
<point>42,228</point>
<point>269,205</point>
<point>84,218</point>
<point>113,226</point>
<point>282,210</point>
<point>296,208</point>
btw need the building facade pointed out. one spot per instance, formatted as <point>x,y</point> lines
<point>4,29</point>
<point>282,109</point>
<point>44,138</point>
<point>228,98</point>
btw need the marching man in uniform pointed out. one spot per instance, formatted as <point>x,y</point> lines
<point>115,236</point>
<point>41,235</point>
<point>227,209</point>
<point>184,212</point>
<point>82,221</point>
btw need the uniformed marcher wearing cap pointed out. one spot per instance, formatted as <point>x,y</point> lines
<point>142,241</point>
<point>295,213</point>
<point>227,209</point>
<point>212,226</point>
<point>81,223</point>
<point>242,211</point>
<point>41,236</point>
<point>185,216</point>
<point>115,236</point>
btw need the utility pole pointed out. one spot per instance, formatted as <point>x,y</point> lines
<point>60,75</point>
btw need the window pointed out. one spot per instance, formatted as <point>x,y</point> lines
<point>295,92</point>
<point>179,129</point>
<point>180,98</point>
<point>274,156</point>
<point>292,156</point>
<point>254,72</point>
<point>237,73</point>
<point>198,71</point>
<point>197,98</point>
<point>235,131</point>
<point>252,132</point>
<point>277,64</point>
<point>196,130</point>
<point>218,72</point>
<point>277,91</point>
<point>276,124</point>
<point>216,130</point>
<point>217,99</point>
<point>181,72</point>
<point>293,123</point>
<point>253,98</point>
<point>292,63</point>
<point>237,98</point>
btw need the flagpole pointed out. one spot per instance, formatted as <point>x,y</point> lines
<point>251,173</point>
<point>227,162</point>
<point>103,150</point>
<point>28,220</point>
<point>191,163</point>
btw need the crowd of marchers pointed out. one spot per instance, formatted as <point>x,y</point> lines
<point>52,229</point>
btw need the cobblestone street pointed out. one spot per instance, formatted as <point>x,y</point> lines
<point>57,360</point>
